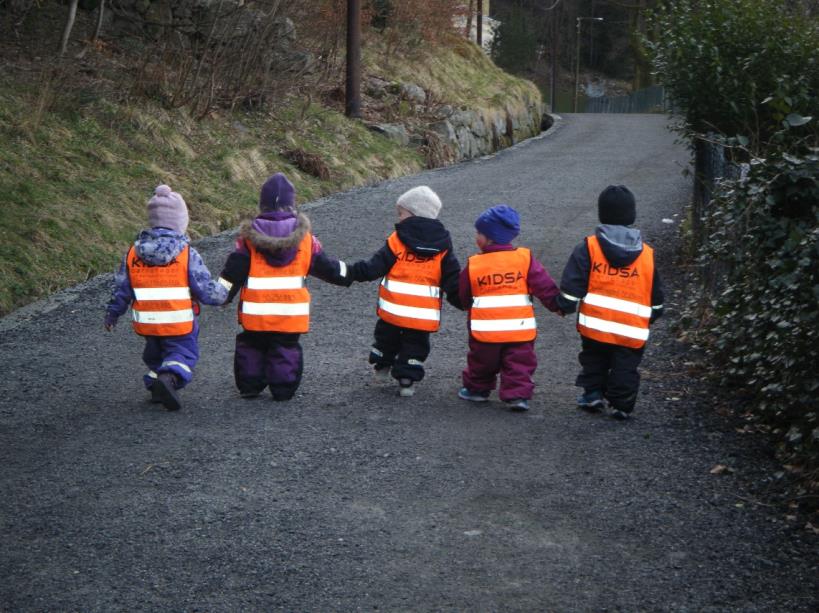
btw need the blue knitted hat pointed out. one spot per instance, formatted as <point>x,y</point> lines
<point>500,224</point>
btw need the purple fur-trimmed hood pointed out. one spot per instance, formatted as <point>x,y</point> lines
<point>276,234</point>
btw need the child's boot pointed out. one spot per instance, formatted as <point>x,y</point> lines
<point>382,372</point>
<point>467,394</point>
<point>622,406</point>
<point>154,389</point>
<point>591,401</point>
<point>405,389</point>
<point>164,390</point>
<point>518,404</point>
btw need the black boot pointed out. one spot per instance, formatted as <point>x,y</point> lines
<point>165,391</point>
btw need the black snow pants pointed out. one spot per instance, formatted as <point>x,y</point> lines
<point>612,370</point>
<point>402,349</point>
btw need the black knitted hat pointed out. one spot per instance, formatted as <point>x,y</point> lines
<point>616,206</point>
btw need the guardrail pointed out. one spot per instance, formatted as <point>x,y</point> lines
<point>649,100</point>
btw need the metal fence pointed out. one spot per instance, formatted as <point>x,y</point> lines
<point>711,166</point>
<point>649,100</point>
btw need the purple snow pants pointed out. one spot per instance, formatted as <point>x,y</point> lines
<point>516,363</point>
<point>268,359</point>
<point>174,354</point>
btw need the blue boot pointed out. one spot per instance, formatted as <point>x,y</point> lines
<point>591,401</point>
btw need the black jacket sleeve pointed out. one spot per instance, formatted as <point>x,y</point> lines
<point>574,284</point>
<point>235,271</point>
<point>374,268</point>
<point>450,272</point>
<point>329,269</point>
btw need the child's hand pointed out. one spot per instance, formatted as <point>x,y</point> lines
<point>109,327</point>
<point>110,323</point>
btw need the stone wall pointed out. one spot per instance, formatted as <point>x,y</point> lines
<point>464,133</point>
<point>475,133</point>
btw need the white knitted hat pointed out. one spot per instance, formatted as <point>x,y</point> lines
<point>421,201</point>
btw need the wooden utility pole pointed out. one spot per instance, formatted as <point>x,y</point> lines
<point>553,79</point>
<point>353,93</point>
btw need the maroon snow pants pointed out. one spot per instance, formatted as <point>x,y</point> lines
<point>516,363</point>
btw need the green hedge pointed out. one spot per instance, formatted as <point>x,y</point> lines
<point>746,74</point>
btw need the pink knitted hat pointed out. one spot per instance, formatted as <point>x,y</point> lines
<point>167,209</point>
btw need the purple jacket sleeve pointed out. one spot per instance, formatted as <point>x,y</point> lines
<point>204,287</point>
<point>542,286</point>
<point>121,295</point>
<point>465,288</point>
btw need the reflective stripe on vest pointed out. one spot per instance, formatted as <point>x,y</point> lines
<point>410,294</point>
<point>502,310</point>
<point>162,304</point>
<point>617,308</point>
<point>275,298</point>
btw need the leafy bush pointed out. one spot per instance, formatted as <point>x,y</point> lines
<point>765,324</point>
<point>746,74</point>
<point>736,67</point>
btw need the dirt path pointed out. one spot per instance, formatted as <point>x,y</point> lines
<point>350,498</point>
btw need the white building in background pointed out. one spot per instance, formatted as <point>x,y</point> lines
<point>488,30</point>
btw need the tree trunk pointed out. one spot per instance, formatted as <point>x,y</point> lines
<point>479,25</point>
<point>470,9</point>
<point>69,25</point>
<point>98,29</point>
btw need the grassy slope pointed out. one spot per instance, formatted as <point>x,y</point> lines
<point>462,77</point>
<point>74,181</point>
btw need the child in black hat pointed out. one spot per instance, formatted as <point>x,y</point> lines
<point>612,281</point>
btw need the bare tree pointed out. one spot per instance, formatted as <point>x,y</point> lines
<point>100,14</point>
<point>69,25</point>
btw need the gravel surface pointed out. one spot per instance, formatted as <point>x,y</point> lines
<point>351,498</point>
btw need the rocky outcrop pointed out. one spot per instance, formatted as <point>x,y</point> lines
<point>462,133</point>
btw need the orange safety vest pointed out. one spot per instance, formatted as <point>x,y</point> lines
<point>617,305</point>
<point>275,298</point>
<point>502,310</point>
<point>163,304</point>
<point>410,293</point>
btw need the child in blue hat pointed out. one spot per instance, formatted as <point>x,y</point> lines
<point>497,286</point>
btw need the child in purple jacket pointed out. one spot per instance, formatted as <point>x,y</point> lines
<point>497,286</point>
<point>269,354</point>
<point>164,247</point>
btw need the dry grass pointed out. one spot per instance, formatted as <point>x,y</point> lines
<point>74,183</point>
<point>78,161</point>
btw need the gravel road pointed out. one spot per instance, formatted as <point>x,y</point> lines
<point>350,498</point>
